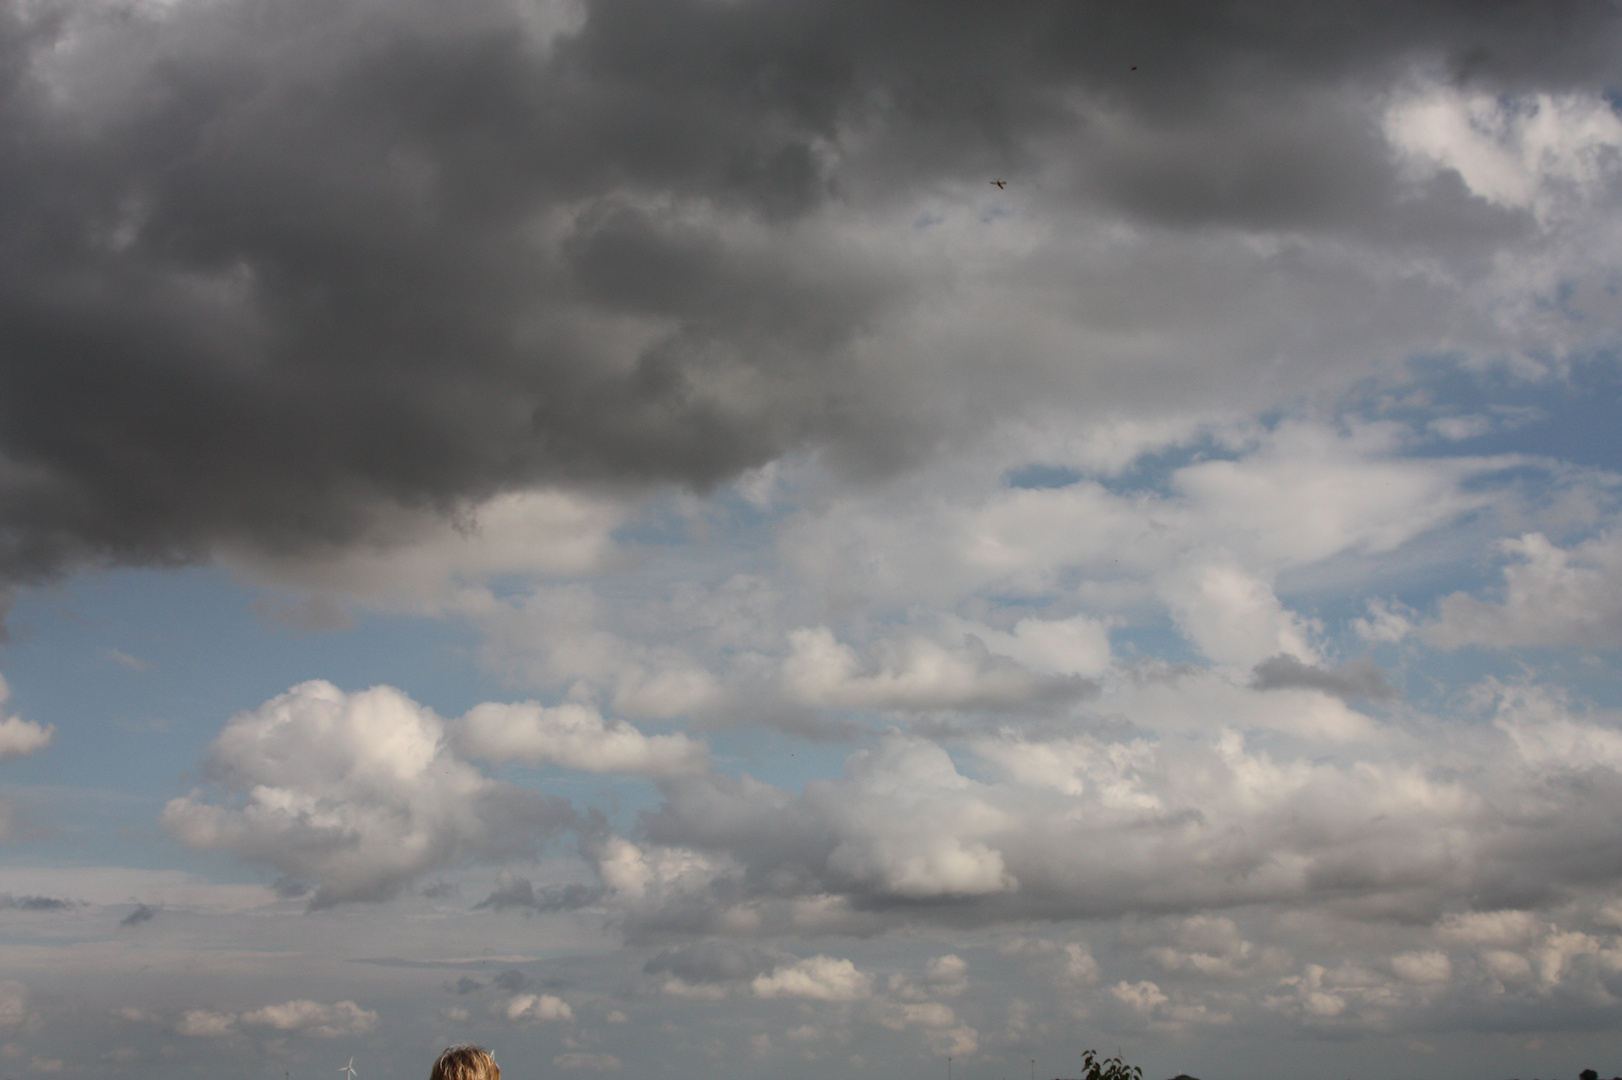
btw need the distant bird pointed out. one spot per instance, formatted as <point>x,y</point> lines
<point>349,1069</point>
<point>1000,184</point>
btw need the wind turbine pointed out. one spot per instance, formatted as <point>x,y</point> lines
<point>349,1069</point>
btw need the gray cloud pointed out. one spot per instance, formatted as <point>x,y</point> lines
<point>512,980</point>
<point>511,891</point>
<point>269,277</point>
<point>141,914</point>
<point>716,962</point>
<point>289,889</point>
<point>514,891</point>
<point>35,903</point>
<point>1078,828</point>
<point>1360,680</point>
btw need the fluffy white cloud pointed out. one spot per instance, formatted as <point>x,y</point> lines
<point>1018,825</point>
<point>1073,826</point>
<point>947,976</point>
<point>1232,616</point>
<point>1304,492</point>
<point>919,674</point>
<point>1145,1005</point>
<point>313,1018</point>
<point>1553,597</point>
<point>1142,996</point>
<point>908,824</point>
<point>977,596</point>
<point>636,873</point>
<point>300,1016</point>
<point>573,736</point>
<point>19,737</point>
<point>1384,623</point>
<point>522,1007</point>
<point>1531,151</point>
<point>906,1004</point>
<point>1078,645</point>
<point>1547,736</point>
<point>819,978</point>
<point>357,793</point>
<point>905,824</point>
<point>1209,547</point>
<point>566,636</point>
<point>1171,698</point>
<point>1212,946</point>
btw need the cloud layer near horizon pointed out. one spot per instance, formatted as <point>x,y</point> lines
<point>997,826</point>
<point>1431,874</point>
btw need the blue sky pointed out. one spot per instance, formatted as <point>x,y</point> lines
<point>594,528</point>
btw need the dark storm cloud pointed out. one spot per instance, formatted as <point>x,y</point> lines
<point>269,271</point>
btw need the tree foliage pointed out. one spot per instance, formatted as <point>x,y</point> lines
<point>1096,1068</point>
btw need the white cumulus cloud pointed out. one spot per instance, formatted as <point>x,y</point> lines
<point>357,793</point>
<point>819,978</point>
<point>574,736</point>
<point>1553,596</point>
<point>1522,151</point>
<point>313,1018</point>
<point>19,737</point>
<point>536,1007</point>
<point>300,1016</point>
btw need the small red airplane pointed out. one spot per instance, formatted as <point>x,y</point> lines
<point>1000,184</point>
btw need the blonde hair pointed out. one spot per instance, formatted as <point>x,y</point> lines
<point>465,1063</point>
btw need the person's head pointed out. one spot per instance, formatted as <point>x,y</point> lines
<point>465,1063</point>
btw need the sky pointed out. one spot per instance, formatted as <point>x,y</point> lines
<point>795,538</point>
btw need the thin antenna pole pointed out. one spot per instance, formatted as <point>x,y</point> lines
<point>1033,1069</point>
